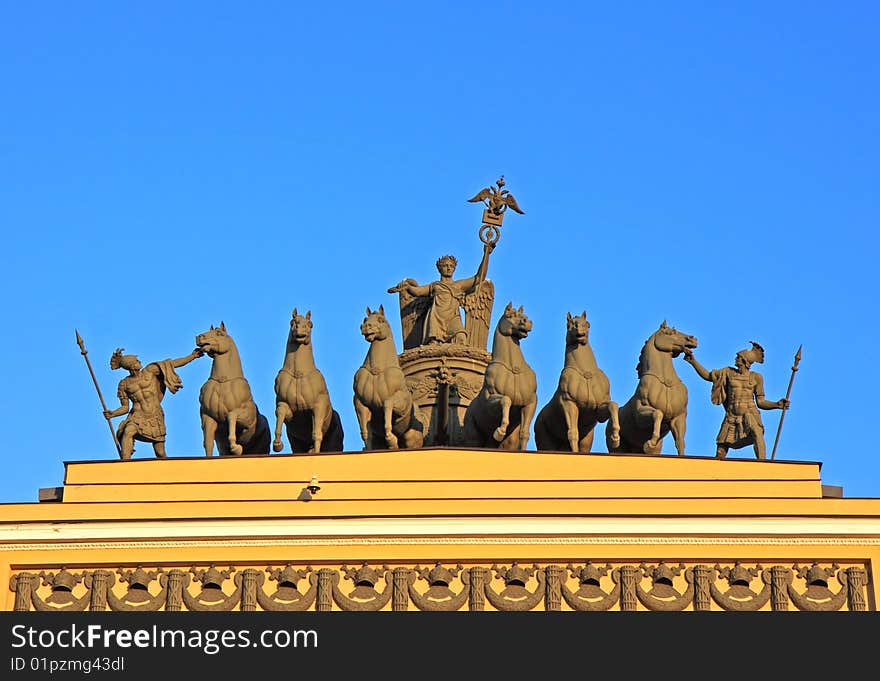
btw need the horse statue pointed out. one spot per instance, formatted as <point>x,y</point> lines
<point>229,415</point>
<point>302,402</point>
<point>500,415</point>
<point>384,405</point>
<point>659,404</point>
<point>582,398</point>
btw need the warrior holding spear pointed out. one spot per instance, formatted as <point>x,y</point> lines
<point>145,387</point>
<point>741,391</point>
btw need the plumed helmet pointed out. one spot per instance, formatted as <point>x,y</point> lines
<point>753,355</point>
<point>119,360</point>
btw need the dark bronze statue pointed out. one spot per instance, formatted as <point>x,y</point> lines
<point>302,401</point>
<point>384,406</point>
<point>229,414</point>
<point>659,404</point>
<point>741,391</point>
<point>501,413</point>
<point>432,313</point>
<point>144,388</point>
<point>582,398</point>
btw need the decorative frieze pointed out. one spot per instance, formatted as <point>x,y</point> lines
<point>735,586</point>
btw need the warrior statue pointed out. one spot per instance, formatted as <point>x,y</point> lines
<point>741,391</point>
<point>144,388</point>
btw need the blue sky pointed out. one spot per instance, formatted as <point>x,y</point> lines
<point>163,168</point>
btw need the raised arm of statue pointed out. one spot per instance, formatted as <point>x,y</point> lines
<point>183,361</point>
<point>411,287</point>
<point>470,283</point>
<point>702,372</point>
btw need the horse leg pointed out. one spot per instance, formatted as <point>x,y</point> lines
<point>320,414</point>
<point>390,437</point>
<point>526,415</point>
<point>232,420</point>
<point>585,445</point>
<point>364,414</point>
<point>678,425</point>
<point>504,402</point>
<point>614,419</point>
<point>209,428</point>
<point>570,412</point>
<point>656,416</point>
<point>282,414</point>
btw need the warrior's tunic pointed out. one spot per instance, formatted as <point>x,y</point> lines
<point>737,392</point>
<point>146,413</point>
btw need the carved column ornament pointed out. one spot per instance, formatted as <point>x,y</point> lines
<point>629,581</point>
<point>553,595</point>
<point>400,592</point>
<point>702,576</point>
<point>175,581</point>
<point>23,584</point>
<point>249,581</point>
<point>854,578</point>
<point>780,578</point>
<point>326,581</point>
<point>99,583</point>
<point>475,578</point>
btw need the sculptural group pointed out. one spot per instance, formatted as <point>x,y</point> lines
<point>445,388</point>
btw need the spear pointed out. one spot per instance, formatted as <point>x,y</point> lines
<point>85,354</point>
<point>794,368</point>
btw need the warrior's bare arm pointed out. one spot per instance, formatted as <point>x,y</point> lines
<point>123,406</point>
<point>699,368</point>
<point>761,401</point>
<point>183,361</point>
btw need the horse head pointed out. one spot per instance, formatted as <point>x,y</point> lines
<point>514,323</point>
<point>670,340</point>
<point>301,328</point>
<point>214,341</point>
<point>375,326</point>
<point>577,329</point>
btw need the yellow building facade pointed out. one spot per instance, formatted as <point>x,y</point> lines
<point>439,530</point>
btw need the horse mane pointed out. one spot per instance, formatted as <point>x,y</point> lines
<point>640,367</point>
